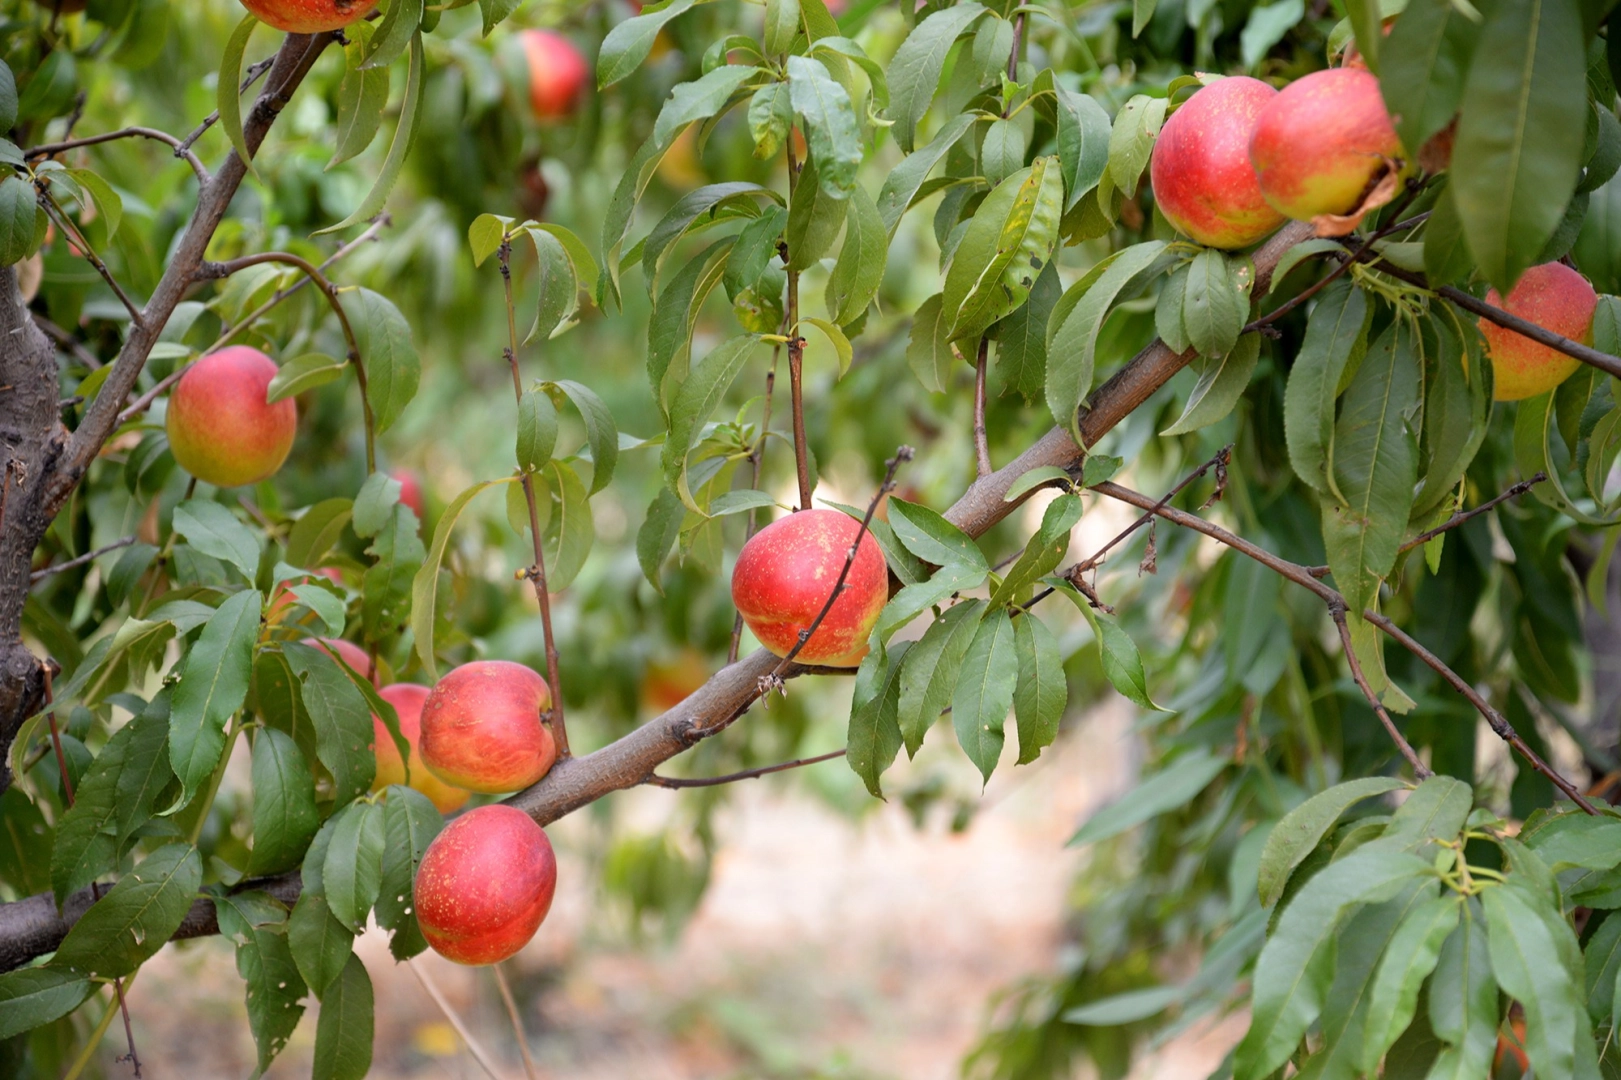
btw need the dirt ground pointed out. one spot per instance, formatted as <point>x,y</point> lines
<point>824,947</point>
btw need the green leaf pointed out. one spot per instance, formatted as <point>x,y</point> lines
<point>284,815</point>
<point>771,114</point>
<point>569,529</point>
<point>398,150</point>
<point>697,399</point>
<point>343,1032</point>
<point>932,538</point>
<point>353,871</point>
<point>213,684</point>
<point>1215,301</point>
<point>393,368</point>
<point>1422,65</point>
<point>1083,142</point>
<point>410,822</point>
<point>1336,334</point>
<point>1008,242</point>
<point>1021,338</point>
<point>1122,664</point>
<point>1221,383</point>
<point>601,433</point>
<point>658,534</point>
<point>1298,254</point>
<point>313,534</point>
<point>1304,827</point>
<point>111,801</point>
<point>874,737</point>
<point>228,98</point>
<point>913,600</point>
<point>1457,405</point>
<point>675,316</point>
<point>929,674</point>
<point>914,73</point>
<point>303,373</point>
<point>1435,810</point>
<point>1168,310</point>
<point>1602,960</point>
<point>1523,948</point>
<point>33,997</point>
<point>374,504</point>
<point>264,959</point>
<point>537,430</point>
<point>321,944</point>
<point>425,586</point>
<point>8,98</point>
<point>1131,140</point>
<point>928,351</point>
<point>111,206</point>
<point>1367,23</point>
<point>985,683</point>
<point>18,209</point>
<point>558,288</point>
<point>629,42</point>
<point>343,726</point>
<point>781,25</point>
<point>1042,693</point>
<point>1463,1000</point>
<point>860,266</point>
<point>700,99</point>
<point>904,181</point>
<point>698,207</point>
<point>214,530</point>
<point>397,30</point>
<point>829,117</point>
<point>1266,26</point>
<point>362,97</point>
<point>1293,972</point>
<point>1039,476</point>
<point>1446,255</point>
<point>1518,152</point>
<point>136,918</point>
<point>815,217</point>
<point>386,586</point>
<point>1002,151</point>
<point>1169,789</point>
<point>1374,466</point>
<point>1408,960</point>
<point>1043,551</point>
<point>1072,335</point>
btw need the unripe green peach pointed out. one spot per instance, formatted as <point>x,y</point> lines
<point>1556,298</point>
<point>785,574</point>
<point>220,428</point>
<point>484,885</point>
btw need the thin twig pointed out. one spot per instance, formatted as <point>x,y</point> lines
<point>250,77</point>
<point>982,445</point>
<point>65,340</point>
<point>1452,522</point>
<point>57,568</point>
<point>213,271</point>
<point>1420,770</point>
<point>517,1022</point>
<point>181,150</point>
<point>1301,576</point>
<point>438,997</point>
<point>756,463</point>
<point>747,774</point>
<point>142,403</point>
<point>537,572</point>
<point>76,239</point>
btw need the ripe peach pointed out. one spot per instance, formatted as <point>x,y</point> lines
<point>282,598</point>
<point>309,16</point>
<point>1556,298</point>
<point>484,885</point>
<point>1321,142</point>
<point>1201,172</point>
<point>670,681</point>
<point>411,492</point>
<point>785,574</point>
<point>220,429</point>
<point>407,700</point>
<point>481,727</point>
<point>557,73</point>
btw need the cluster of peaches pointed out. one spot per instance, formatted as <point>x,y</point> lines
<point>1240,156</point>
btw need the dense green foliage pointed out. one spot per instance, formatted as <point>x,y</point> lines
<point>914,194</point>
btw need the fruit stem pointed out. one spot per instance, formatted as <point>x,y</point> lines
<point>756,463</point>
<point>517,1022</point>
<point>438,997</point>
<point>796,353</point>
<point>537,574</point>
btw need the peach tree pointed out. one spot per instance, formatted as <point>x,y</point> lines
<point>1335,287</point>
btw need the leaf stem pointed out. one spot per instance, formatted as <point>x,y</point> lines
<point>796,350</point>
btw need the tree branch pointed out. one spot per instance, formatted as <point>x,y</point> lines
<point>982,443</point>
<point>656,780</point>
<point>181,150</point>
<point>56,568</point>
